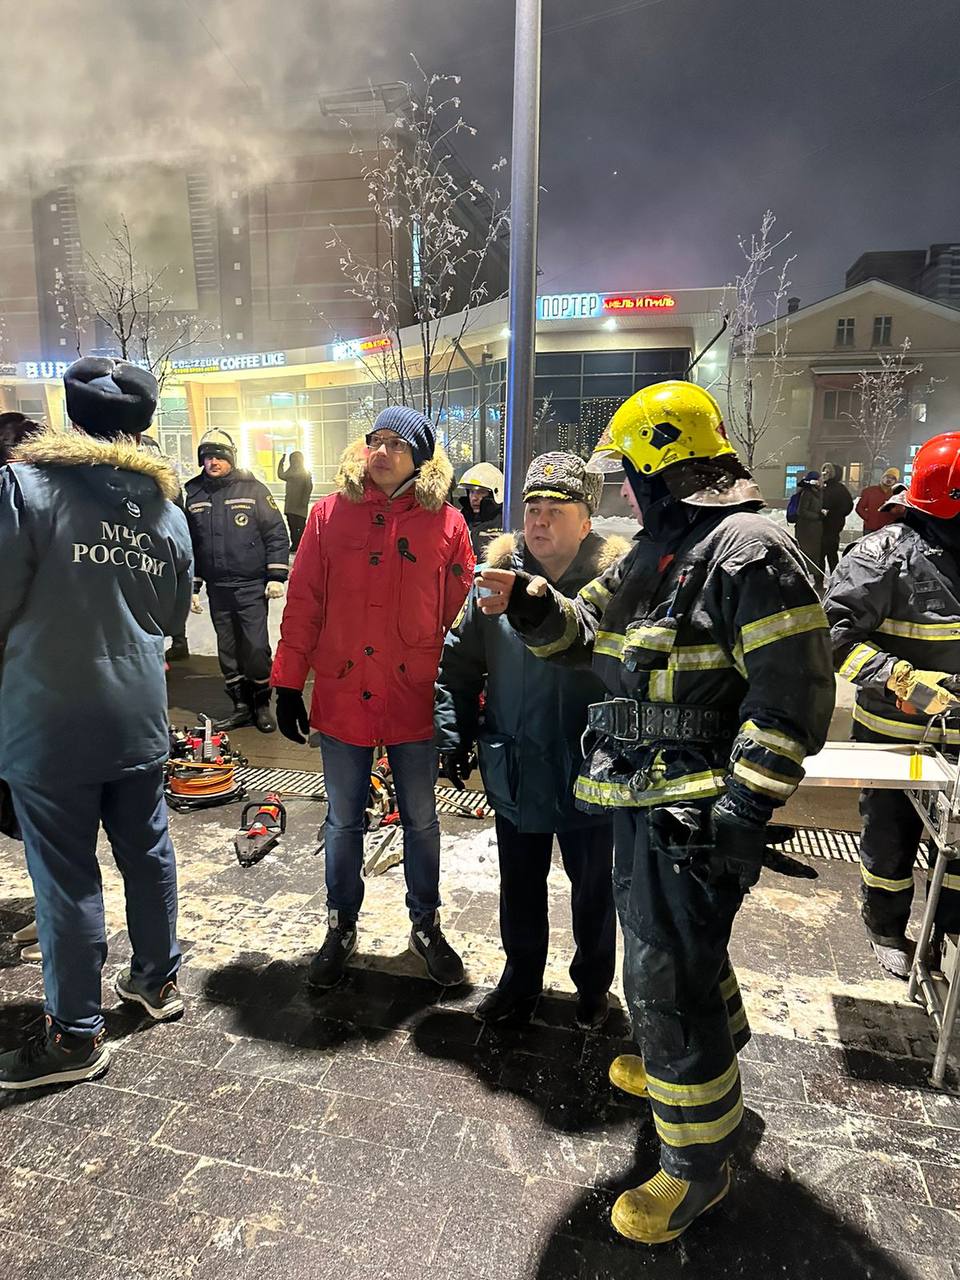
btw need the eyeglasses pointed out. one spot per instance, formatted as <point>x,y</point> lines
<point>393,444</point>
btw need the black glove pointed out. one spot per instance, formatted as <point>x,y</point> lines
<point>455,766</point>
<point>740,847</point>
<point>292,719</point>
<point>530,611</point>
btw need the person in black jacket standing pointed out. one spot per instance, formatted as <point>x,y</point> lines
<point>296,499</point>
<point>242,552</point>
<point>837,505</point>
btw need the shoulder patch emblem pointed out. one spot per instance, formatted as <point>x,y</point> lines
<point>271,501</point>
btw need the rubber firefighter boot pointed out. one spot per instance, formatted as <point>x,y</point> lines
<point>628,1073</point>
<point>262,715</point>
<point>665,1206</point>
<point>243,711</point>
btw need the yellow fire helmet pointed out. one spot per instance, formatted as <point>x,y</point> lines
<point>666,423</point>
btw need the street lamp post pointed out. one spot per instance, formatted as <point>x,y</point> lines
<point>524,201</point>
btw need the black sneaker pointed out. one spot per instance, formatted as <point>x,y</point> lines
<point>166,1002</point>
<point>592,1011</point>
<point>505,1008</point>
<point>329,964</point>
<point>443,964</point>
<point>54,1057</point>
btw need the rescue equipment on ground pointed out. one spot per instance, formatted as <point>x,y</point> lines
<point>202,769</point>
<point>260,833</point>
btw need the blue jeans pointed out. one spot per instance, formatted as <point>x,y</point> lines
<point>346,775</point>
<point>60,827</point>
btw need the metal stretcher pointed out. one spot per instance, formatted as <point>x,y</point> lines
<point>932,784</point>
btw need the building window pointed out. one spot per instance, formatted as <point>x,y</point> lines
<point>838,405</point>
<point>222,411</point>
<point>882,329</point>
<point>845,333</point>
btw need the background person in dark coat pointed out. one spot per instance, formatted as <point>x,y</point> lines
<point>242,553</point>
<point>14,429</point>
<point>95,570</point>
<point>529,744</point>
<point>837,505</point>
<point>809,524</point>
<point>296,498</point>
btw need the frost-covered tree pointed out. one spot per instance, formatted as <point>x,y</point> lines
<point>881,402</point>
<point>756,373</point>
<point>131,304</point>
<point>442,227</point>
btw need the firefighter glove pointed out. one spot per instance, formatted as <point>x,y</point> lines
<point>195,605</point>
<point>292,719</point>
<point>455,766</point>
<point>928,692</point>
<point>741,846</point>
<point>275,591</point>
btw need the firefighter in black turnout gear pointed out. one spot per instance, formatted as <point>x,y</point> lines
<point>894,612</point>
<point>715,655</point>
<point>242,552</point>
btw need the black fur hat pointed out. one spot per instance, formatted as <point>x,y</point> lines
<point>109,398</point>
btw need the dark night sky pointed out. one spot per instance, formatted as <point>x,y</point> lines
<point>669,126</point>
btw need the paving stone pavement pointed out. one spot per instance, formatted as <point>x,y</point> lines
<point>379,1131</point>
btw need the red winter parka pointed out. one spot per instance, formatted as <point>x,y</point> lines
<point>376,584</point>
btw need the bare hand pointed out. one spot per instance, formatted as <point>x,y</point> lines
<point>493,590</point>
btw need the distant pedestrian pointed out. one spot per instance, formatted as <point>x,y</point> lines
<point>14,429</point>
<point>296,499</point>
<point>95,569</point>
<point>837,505</point>
<point>808,522</point>
<point>870,507</point>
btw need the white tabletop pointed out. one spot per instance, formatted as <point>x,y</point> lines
<point>877,765</point>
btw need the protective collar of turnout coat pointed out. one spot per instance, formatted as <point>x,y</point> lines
<point>431,483</point>
<point>76,449</point>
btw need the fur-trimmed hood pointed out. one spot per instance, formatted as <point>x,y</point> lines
<point>76,449</point>
<point>502,551</point>
<point>430,487</point>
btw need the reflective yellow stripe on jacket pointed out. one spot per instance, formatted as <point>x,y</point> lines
<point>903,732</point>
<point>782,625</point>
<point>571,622</point>
<point>933,631</point>
<point>857,659</point>
<point>613,795</point>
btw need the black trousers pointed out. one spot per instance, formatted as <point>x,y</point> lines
<point>587,854</point>
<point>296,525</point>
<point>891,836</point>
<point>239,615</point>
<point>688,1018</point>
<point>831,549</point>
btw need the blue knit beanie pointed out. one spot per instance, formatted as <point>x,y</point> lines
<point>411,425</point>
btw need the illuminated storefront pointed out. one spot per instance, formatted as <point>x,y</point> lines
<point>594,350</point>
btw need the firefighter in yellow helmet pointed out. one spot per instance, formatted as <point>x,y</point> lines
<point>715,656</point>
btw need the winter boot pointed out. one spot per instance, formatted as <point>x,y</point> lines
<point>592,1011</point>
<point>895,954</point>
<point>31,954</point>
<point>23,937</point>
<point>427,941</point>
<point>329,964</point>
<point>51,1056</point>
<point>262,715</point>
<point>179,649</point>
<point>161,1003</point>
<point>243,712</point>
<point>628,1073</point>
<point>502,1007</point>
<point>665,1206</point>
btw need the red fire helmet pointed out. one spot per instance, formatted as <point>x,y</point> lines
<point>935,482</point>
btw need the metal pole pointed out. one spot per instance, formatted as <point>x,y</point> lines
<point>485,361</point>
<point>524,201</point>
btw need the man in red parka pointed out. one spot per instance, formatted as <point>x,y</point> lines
<point>870,507</point>
<point>383,568</point>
